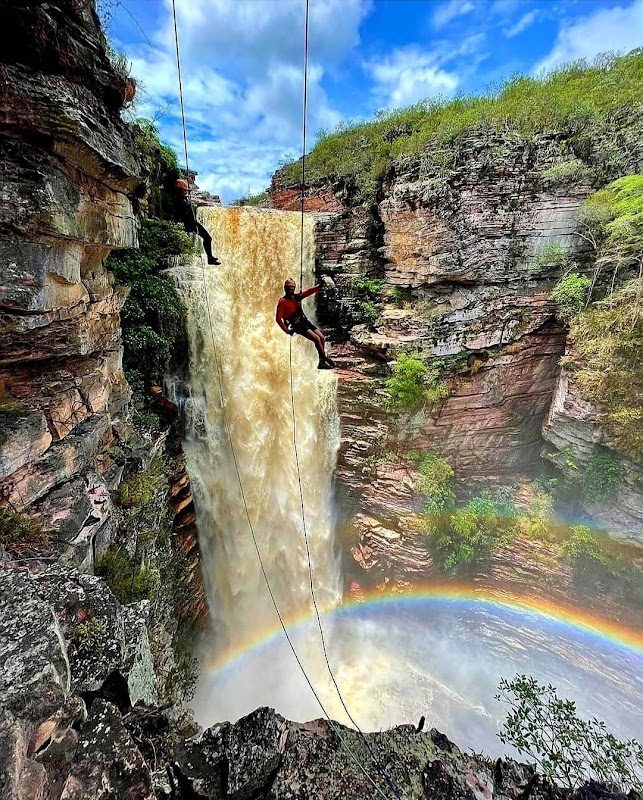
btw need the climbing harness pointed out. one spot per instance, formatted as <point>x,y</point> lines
<point>343,742</point>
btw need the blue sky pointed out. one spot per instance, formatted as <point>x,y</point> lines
<point>242,64</point>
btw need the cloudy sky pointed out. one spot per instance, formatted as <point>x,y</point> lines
<point>242,64</point>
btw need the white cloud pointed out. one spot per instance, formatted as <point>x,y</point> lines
<point>617,29</point>
<point>446,12</point>
<point>242,66</point>
<point>523,23</point>
<point>409,75</point>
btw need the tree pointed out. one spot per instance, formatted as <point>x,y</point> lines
<point>565,748</point>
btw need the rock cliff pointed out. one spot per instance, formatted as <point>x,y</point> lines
<point>69,169</point>
<point>465,257</point>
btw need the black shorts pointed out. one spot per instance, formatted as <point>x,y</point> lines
<point>302,326</point>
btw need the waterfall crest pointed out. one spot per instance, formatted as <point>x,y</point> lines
<point>258,249</point>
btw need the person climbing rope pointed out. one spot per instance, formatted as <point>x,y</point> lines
<point>291,319</point>
<point>185,214</point>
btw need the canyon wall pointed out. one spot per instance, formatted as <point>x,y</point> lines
<point>69,167</point>
<point>467,256</point>
<point>83,475</point>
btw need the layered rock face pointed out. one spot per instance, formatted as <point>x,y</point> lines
<point>467,255</point>
<point>69,167</point>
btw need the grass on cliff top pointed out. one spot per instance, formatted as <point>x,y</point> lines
<point>359,153</point>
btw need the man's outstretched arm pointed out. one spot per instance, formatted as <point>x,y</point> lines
<point>308,292</point>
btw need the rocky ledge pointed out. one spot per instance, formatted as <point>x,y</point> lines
<point>80,721</point>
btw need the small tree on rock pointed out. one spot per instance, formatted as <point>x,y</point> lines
<point>565,748</point>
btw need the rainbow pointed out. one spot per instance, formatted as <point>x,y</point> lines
<point>596,627</point>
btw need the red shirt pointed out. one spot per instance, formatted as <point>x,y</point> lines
<point>287,307</point>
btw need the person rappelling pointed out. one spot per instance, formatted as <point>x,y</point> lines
<point>291,319</point>
<point>185,214</point>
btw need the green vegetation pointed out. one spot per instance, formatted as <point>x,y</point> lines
<point>89,633</point>
<point>141,488</point>
<point>163,166</point>
<point>154,315</point>
<point>129,582</point>
<point>459,537</point>
<point>359,307</point>
<point>252,200</point>
<point>571,99</point>
<point>602,475</point>
<point>551,255</point>
<point>565,748</point>
<point>608,338</point>
<point>435,482</point>
<point>583,548</point>
<point>413,384</point>
<point>473,533</point>
<point>21,535</point>
<point>570,295</point>
<point>565,173</point>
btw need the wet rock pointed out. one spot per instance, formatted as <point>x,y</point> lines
<point>107,765</point>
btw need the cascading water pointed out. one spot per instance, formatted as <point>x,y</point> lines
<point>233,307</point>
<point>441,654</point>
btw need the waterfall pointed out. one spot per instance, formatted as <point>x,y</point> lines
<point>232,308</point>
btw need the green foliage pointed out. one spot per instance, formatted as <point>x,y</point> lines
<point>551,255</point>
<point>565,748</point>
<point>435,482</point>
<point>608,338</point>
<point>602,475</point>
<point>259,199</point>
<point>360,154</point>
<point>535,523</point>
<point>583,547</point>
<point>154,315</point>
<point>88,634</point>
<point>129,583</point>
<point>366,288</point>
<point>570,295</point>
<point>141,488</point>
<point>565,173</point>
<point>413,383</point>
<point>359,306</point>
<point>20,534</point>
<point>473,534</point>
<point>147,139</point>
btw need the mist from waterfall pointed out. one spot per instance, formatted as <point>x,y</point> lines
<point>258,249</point>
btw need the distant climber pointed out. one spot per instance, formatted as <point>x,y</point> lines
<point>185,214</point>
<point>291,319</point>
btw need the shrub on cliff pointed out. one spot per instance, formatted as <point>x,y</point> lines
<point>435,482</point>
<point>473,533</point>
<point>570,295</point>
<point>608,341</point>
<point>154,315</point>
<point>611,221</point>
<point>566,749</point>
<point>569,99</point>
<point>583,548</point>
<point>413,384</point>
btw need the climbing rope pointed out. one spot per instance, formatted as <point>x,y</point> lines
<point>373,756</point>
<point>332,724</point>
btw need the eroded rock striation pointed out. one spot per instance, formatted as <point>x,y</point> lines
<point>69,168</point>
<point>466,255</point>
